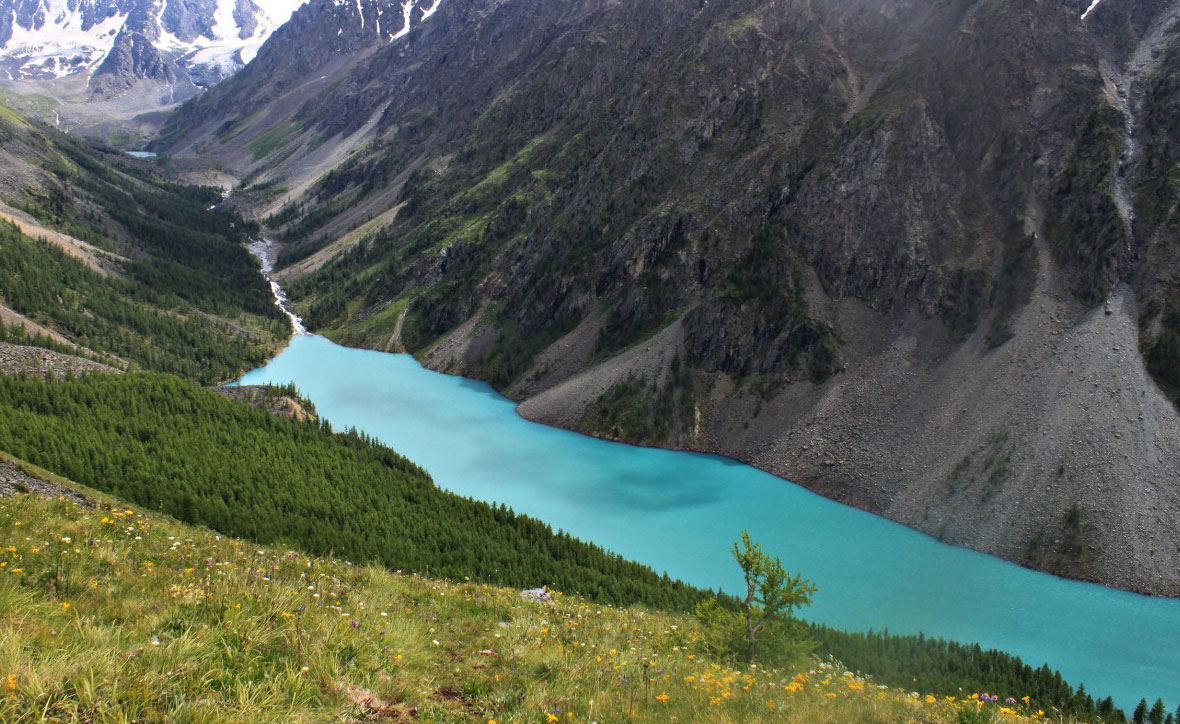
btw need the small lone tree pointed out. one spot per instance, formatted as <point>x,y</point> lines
<point>771,594</point>
<point>1140,715</point>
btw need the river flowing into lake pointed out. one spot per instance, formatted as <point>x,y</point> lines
<point>680,513</point>
<point>263,250</point>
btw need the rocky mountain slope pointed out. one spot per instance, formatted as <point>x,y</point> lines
<point>116,58</point>
<point>918,258</point>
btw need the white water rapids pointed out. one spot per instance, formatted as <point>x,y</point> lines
<point>262,249</point>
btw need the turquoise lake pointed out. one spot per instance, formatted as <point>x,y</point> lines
<point>680,512</point>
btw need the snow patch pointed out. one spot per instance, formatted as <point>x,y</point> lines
<point>407,10</point>
<point>60,47</point>
<point>224,25</point>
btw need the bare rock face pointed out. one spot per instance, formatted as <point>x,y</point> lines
<point>920,258</point>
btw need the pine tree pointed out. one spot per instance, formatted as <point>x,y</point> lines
<point>1140,715</point>
<point>1156,716</point>
<point>770,593</point>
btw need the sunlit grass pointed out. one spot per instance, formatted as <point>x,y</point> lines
<point>116,615</point>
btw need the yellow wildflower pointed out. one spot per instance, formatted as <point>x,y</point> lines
<point>663,698</point>
<point>550,718</point>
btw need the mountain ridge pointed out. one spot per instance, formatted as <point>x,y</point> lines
<point>105,62</point>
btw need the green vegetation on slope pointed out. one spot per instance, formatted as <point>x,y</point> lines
<point>111,614</point>
<point>178,243</point>
<point>1157,202</point>
<point>124,316</point>
<point>182,293</point>
<point>949,668</point>
<point>1083,224</point>
<point>244,472</point>
<point>167,444</point>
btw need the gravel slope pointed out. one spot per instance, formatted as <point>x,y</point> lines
<point>1055,450</point>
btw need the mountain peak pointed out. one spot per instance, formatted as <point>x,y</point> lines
<point>202,42</point>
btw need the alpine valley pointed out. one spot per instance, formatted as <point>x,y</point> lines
<point>920,258</point>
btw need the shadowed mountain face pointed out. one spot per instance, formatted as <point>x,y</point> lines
<point>919,257</point>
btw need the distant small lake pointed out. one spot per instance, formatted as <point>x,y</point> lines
<point>680,512</point>
<point>141,154</point>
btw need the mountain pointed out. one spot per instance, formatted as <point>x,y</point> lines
<point>919,258</point>
<point>121,57</point>
<point>100,256</point>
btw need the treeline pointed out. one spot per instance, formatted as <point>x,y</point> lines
<point>948,668</point>
<point>123,316</point>
<point>169,445</point>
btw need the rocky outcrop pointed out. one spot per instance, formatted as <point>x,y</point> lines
<point>15,481</point>
<point>18,359</point>
<point>276,403</point>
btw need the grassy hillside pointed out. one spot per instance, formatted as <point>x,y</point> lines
<point>293,483</point>
<point>159,441</point>
<point>114,614</point>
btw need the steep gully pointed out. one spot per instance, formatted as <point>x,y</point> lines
<point>1142,60</point>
